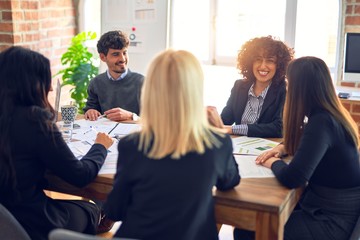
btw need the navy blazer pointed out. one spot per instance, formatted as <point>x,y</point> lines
<point>269,124</point>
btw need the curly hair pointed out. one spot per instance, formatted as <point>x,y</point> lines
<point>272,47</point>
<point>112,39</point>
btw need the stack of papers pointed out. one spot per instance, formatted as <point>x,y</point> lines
<point>246,150</point>
<point>251,145</point>
<point>84,137</point>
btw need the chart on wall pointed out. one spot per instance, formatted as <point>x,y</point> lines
<point>144,21</point>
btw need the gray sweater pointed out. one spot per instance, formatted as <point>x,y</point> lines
<point>105,94</point>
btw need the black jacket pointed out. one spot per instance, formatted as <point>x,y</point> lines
<point>269,124</point>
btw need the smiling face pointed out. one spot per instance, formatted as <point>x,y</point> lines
<point>116,60</point>
<point>264,67</point>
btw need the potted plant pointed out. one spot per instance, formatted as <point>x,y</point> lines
<point>80,68</point>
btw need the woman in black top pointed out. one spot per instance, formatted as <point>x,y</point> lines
<point>31,144</point>
<point>166,172</point>
<point>323,139</point>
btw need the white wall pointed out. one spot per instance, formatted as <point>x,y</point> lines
<point>145,22</point>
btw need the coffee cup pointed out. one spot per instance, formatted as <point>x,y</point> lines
<point>68,113</point>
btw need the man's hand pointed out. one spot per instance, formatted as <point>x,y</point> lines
<point>92,114</point>
<point>118,114</point>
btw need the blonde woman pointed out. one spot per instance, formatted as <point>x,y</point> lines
<point>166,172</point>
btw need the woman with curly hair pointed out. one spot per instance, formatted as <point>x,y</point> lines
<point>255,105</point>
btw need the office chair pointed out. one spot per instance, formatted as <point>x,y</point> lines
<point>63,234</point>
<point>356,232</point>
<point>10,228</point>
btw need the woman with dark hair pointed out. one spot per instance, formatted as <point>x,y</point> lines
<point>31,144</point>
<point>323,139</point>
<point>256,102</point>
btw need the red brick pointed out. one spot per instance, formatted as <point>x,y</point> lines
<point>31,15</point>
<point>45,44</point>
<point>357,9</point>
<point>355,108</point>
<point>26,27</point>
<point>7,38</point>
<point>7,16</point>
<point>352,20</point>
<point>31,37</point>
<point>348,84</point>
<point>29,4</point>
<point>349,10</point>
<point>346,105</point>
<point>6,27</point>
<point>5,5</point>
<point>50,24</point>
<point>356,118</point>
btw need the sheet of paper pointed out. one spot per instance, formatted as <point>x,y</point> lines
<point>251,145</point>
<point>249,169</point>
<point>109,166</point>
<point>84,137</point>
<point>89,129</point>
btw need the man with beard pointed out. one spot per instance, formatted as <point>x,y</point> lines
<point>116,92</point>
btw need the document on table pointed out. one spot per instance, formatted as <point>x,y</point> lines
<point>89,129</point>
<point>85,136</point>
<point>249,169</point>
<point>251,146</point>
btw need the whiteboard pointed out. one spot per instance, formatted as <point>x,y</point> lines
<point>145,22</point>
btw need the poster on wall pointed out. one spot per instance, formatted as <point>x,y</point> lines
<point>144,11</point>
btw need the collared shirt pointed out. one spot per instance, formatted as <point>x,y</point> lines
<point>252,111</point>
<point>119,78</point>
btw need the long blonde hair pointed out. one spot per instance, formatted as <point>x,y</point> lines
<point>173,117</point>
<point>310,87</point>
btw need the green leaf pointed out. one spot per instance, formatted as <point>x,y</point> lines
<point>79,67</point>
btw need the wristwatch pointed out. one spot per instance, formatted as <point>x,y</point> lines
<point>135,117</point>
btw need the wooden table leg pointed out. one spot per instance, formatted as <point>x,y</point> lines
<point>268,227</point>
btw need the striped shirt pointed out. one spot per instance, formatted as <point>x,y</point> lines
<point>252,111</point>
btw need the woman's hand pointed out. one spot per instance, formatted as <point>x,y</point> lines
<point>270,156</point>
<point>104,139</point>
<point>268,162</point>
<point>214,117</point>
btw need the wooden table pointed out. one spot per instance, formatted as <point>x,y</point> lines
<point>262,205</point>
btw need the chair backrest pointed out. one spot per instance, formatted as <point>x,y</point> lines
<point>10,228</point>
<point>356,232</point>
<point>63,234</point>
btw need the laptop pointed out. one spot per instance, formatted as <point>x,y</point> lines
<point>57,99</point>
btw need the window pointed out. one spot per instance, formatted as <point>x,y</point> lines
<point>214,30</point>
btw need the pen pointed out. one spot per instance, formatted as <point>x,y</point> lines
<point>102,116</point>
<point>91,129</point>
<point>113,128</point>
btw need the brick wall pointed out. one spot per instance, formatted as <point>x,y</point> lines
<point>46,26</point>
<point>351,24</point>
<point>353,106</point>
